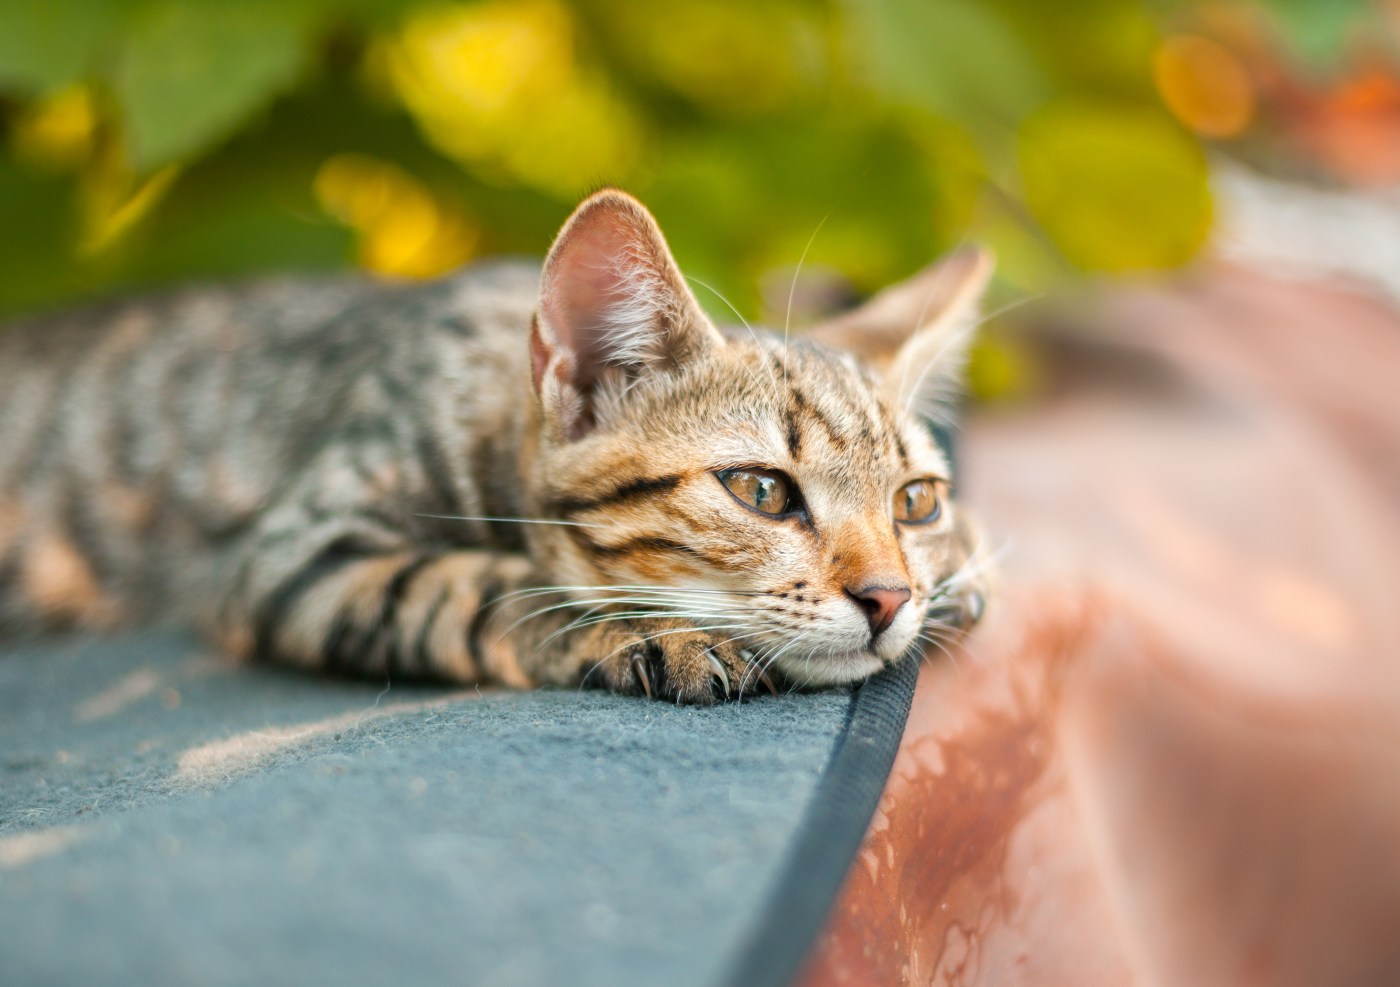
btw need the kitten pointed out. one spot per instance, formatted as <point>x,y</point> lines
<point>508,476</point>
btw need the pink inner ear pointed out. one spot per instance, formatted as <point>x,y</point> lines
<point>586,277</point>
<point>602,293</point>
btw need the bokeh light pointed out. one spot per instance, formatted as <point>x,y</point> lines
<point>498,85</point>
<point>1204,85</point>
<point>58,130</point>
<point>403,230</point>
<point>168,140</point>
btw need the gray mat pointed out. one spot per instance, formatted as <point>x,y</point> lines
<point>168,818</point>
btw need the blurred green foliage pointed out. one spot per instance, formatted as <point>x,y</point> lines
<point>152,140</point>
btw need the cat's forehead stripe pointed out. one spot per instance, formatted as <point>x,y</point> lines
<point>891,431</point>
<point>822,394</point>
<point>803,410</point>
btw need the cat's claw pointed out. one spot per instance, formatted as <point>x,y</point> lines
<point>639,670</point>
<point>664,658</point>
<point>721,676</point>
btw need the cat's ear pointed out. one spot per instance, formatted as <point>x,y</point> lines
<point>613,307</point>
<point>917,333</point>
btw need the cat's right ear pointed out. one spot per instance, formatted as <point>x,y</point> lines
<point>613,307</point>
<point>917,333</point>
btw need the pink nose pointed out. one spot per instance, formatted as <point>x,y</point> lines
<point>880,604</point>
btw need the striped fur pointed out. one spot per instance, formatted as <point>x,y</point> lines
<point>500,477</point>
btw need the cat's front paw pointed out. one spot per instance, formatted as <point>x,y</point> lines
<point>962,612</point>
<point>957,612</point>
<point>664,658</point>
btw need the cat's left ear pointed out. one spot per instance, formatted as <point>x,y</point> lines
<point>917,333</point>
<point>613,307</point>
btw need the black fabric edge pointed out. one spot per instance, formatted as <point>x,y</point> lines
<point>830,837</point>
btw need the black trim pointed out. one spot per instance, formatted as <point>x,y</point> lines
<point>841,810</point>
<point>842,807</point>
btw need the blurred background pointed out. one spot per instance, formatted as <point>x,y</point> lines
<point>1181,722</point>
<point>150,141</point>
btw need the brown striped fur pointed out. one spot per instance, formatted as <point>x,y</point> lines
<point>335,474</point>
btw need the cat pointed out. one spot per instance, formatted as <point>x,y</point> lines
<point>513,475</point>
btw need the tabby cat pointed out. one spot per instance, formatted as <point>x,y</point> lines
<point>511,476</point>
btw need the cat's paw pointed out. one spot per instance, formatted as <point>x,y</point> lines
<point>963,610</point>
<point>972,606</point>
<point>664,658</point>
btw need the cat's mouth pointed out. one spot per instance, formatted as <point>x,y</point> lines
<point>828,670</point>
<point>844,655</point>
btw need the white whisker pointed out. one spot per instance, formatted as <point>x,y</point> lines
<point>937,414</point>
<point>792,290</point>
<point>511,520</point>
<point>753,335</point>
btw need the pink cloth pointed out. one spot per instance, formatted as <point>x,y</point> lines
<point>1171,755</point>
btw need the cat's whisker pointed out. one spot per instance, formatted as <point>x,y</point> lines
<point>792,289</point>
<point>705,628</point>
<point>977,563</point>
<point>511,520</point>
<point>646,595</point>
<point>621,588</point>
<point>624,616</point>
<point>773,379</point>
<point>675,607</point>
<point>720,667</point>
<point>923,312</point>
<point>939,413</point>
<point>924,307</point>
<point>583,682</point>
<point>668,607</point>
<point>594,616</point>
<point>789,645</point>
<point>756,669</point>
<point>646,640</point>
<point>641,595</point>
<point>934,410</point>
<point>941,646</point>
<point>1010,306</point>
<point>566,605</point>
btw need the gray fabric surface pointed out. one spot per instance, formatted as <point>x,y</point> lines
<point>166,817</point>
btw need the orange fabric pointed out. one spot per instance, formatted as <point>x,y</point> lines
<point>1172,753</point>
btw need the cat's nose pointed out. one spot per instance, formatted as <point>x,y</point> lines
<point>880,604</point>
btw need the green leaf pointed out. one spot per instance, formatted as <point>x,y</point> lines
<point>37,213</point>
<point>47,43</point>
<point>1118,189</point>
<point>955,58</point>
<point>1319,30</point>
<point>191,74</point>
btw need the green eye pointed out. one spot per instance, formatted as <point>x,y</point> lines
<point>767,491</point>
<point>917,502</point>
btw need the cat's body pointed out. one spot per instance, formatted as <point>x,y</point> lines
<point>141,445</point>
<point>305,468</point>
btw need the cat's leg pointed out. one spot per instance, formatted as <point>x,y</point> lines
<point>365,606</point>
<point>364,603</point>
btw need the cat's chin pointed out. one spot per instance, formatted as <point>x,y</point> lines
<point>825,670</point>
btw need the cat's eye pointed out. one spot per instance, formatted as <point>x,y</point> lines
<point>917,502</point>
<point>767,491</point>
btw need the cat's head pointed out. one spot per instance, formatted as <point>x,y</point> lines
<point>784,491</point>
